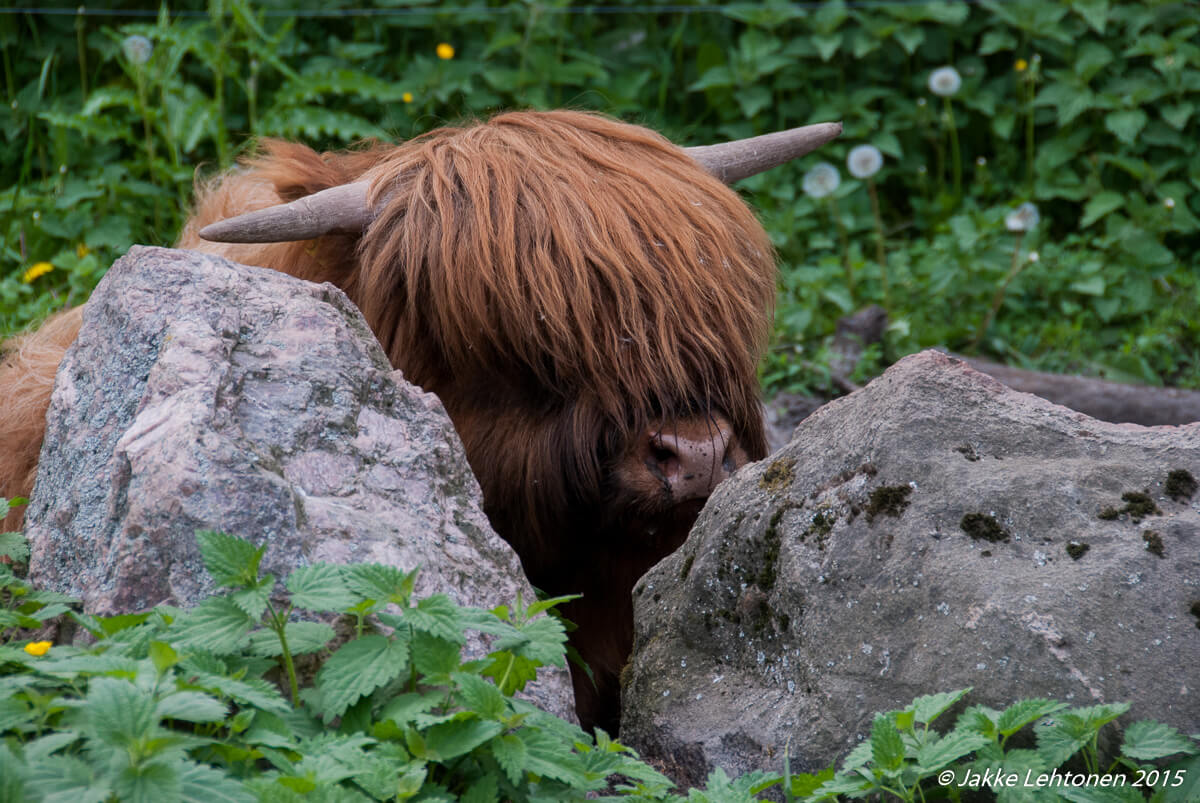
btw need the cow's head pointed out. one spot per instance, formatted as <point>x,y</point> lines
<point>589,301</point>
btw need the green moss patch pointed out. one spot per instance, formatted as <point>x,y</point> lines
<point>1181,485</point>
<point>888,500</point>
<point>982,527</point>
<point>779,475</point>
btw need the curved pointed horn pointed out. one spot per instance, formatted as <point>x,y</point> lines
<point>734,161</point>
<point>338,209</point>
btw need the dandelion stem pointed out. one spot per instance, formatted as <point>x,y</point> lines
<point>998,296</point>
<point>879,249</point>
<point>81,47</point>
<point>955,156</point>
<point>845,240</point>
<point>1029,139</point>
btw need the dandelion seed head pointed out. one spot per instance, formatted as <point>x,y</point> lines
<point>1033,256</point>
<point>1169,203</point>
<point>62,170</point>
<point>137,49</point>
<point>981,161</point>
<point>864,161</point>
<point>945,81</point>
<point>920,101</point>
<point>1023,218</point>
<point>821,180</point>
<point>37,215</point>
<point>1037,58</point>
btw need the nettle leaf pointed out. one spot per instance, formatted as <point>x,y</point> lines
<point>407,708</point>
<point>1099,206</point>
<point>204,784</point>
<point>191,706</point>
<point>929,707</point>
<point>358,668</point>
<point>511,754</point>
<point>1147,741</point>
<point>439,616</point>
<point>216,625</point>
<point>147,783</point>
<point>433,656</point>
<point>231,561</point>
<point>321,587</point>
<point>62,778</point>
<point>936,754</point>
<point>1024,712</point>
<point>254,600</point>
<point>887,748</point>
<point>256,692</point>
<point>510,671</point>
<point>1093,12</point>
<point>480,696</point>
<point>302,638</point>
<point>1126,125</point>
<point>979,718</point>
<point>119,713</point>
<point>1177,115</point>
<point>13,545</point>
<point>379,582</point>
<point>459,736</point>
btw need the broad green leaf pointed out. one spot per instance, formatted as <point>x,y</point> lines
<point>13,545</point>
<point>321,587</point>
<point>119,713</point>
<point>358,668</point>
<point>936,754</point>
<point>1126,125</point>
<point>1090,286</point>
<point>510,753</point>
<point>231,561</point>
<point>148,783</point>
<point>827,45</point>
<point>480,696</point>
<point>434,656</point>
<point>380,582</point>
<point>997,41</point>
<point>216,625</point>
<point>458,737</point>
<point>910,38</point>
<point>929,707</point>
<point>200,783</point>
<point>64,779</point>
<point>1147,741</point>
<point>255,599</point>
<point>1184,783</point>
<point>887,748</point>
<point>302,638</point>
<point>191,706</point>
<point>1091,59</point>
<point>1093,12</point>
<point>405,708</point>
<point>1099,206</point>
<point>1177,115</point>
<point>438,615</point>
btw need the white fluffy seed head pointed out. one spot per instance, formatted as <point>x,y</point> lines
<point>864,161</point>
<point>137,49</point>
<point>821,180</point>
<point>945,81</point>
<point>1023,218</point>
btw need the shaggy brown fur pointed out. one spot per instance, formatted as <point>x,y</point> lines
<point>564,282</point>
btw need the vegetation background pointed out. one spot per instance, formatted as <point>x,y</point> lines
<point>1090,109</point>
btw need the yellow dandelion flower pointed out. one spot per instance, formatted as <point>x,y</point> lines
<point>406,97</point>
<point>82,250</point>
<point>38,269</point>
<point>445,52</point>
<point>38,648</point>
<point>1021,65</point>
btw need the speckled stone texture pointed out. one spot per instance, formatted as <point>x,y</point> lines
<point>852,571</point>
<point>202,394</point>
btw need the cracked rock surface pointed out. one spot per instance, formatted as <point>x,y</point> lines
<point>205,395</point>
<point>932,531</point>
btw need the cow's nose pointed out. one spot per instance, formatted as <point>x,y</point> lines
<point>690,457</point>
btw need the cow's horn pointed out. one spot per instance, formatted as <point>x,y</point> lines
<point>734,161</point>
<point>338,209</point>
<point>345,208</point>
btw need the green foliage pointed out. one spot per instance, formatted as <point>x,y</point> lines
<point>906,762</point>
<point>1089,108</point>
<point>179,706</point>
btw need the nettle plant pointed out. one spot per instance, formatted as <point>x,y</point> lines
<point>256,695</point>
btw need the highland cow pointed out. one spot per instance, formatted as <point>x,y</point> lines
<point>588,300</point>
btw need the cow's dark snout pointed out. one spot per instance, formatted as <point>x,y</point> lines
<point>691,457</point>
